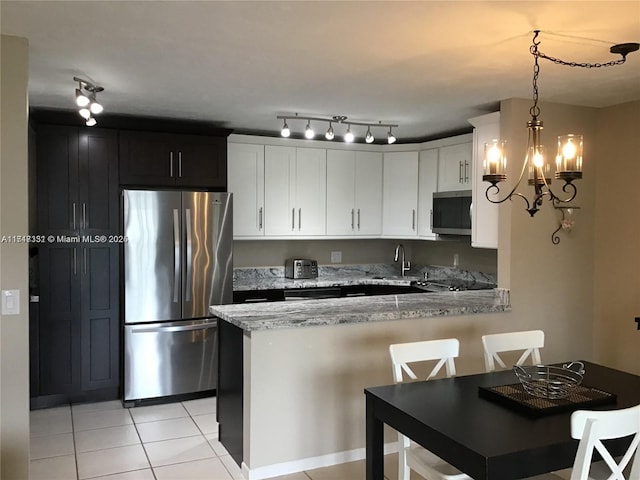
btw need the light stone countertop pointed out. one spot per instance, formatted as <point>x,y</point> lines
<point>335,311</point>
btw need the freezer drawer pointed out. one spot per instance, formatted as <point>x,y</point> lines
<point>169,358</point>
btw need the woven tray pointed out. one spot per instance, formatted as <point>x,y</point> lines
<point>514,397</point>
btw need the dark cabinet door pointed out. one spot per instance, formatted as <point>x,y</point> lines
<point>99,335</point>
<point>146,159</point>
<point>59,320</point>
<point>98,203</point>
<point>57,165</point>
<point>202,162</point>
<point>168,160</point>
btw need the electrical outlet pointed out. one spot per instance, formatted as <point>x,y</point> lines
<point>336,257</point>
<point>10,302</point>
<point>456,259</point>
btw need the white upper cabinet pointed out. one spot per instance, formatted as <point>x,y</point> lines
<point>295,191</point>
<point>484,217</point>
<point>427,185</point>
<point>455,167</point>
<point>354,193</point>
<point>245,171</point>
<point>400,195</point>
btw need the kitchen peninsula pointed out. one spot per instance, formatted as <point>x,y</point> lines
<point>292,374</point>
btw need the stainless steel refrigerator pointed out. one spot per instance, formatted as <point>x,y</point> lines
<point>177,261</point>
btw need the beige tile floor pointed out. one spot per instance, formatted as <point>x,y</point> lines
<point>177,441</point>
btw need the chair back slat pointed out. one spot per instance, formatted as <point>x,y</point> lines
<point>442,350</point>
<point>530,341</point>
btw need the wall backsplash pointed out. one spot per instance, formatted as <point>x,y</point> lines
<point>267,253</point>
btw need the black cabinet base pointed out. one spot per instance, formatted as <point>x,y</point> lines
<point>49,401</point>
<point>168,399</point>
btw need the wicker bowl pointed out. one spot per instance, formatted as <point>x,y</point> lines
<point>550,382</point>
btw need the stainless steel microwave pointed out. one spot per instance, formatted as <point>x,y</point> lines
<point>452,213</point>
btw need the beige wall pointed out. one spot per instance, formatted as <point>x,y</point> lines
<point>617,238</point>
<point>268,253</point>
<point>14,329</point>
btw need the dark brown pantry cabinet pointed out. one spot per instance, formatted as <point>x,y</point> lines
<point>78,214</point>
<point>170,159</point>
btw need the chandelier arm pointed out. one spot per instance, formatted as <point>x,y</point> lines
<point>569,188</point>
<point>508,197</point>
<point>555,238</point>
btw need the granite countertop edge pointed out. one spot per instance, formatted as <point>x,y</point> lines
<point>340,311</point>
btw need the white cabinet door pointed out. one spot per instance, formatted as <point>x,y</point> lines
<point>310,191</point>
<point>279,175</point>
<point>454,167</point>
<point>245,171</point>
<point>427,185</point>
<point>295,191</point>
<point>484,216</point>
<point>368,187</point>
<point>341,197</point>
<point>400,195</point>
<point>354,193</point>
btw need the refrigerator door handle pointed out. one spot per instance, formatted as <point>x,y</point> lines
<point>183,328</point>
<point>189,252</point>
<point>176,255</point>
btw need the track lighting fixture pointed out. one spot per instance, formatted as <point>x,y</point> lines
<point>329,135</point>
<point>369,138</point>
<point>349,135</point>
<point>86,100</point>
<point>308,132</point>
<point>391,137</point>
<point>285,132</point>
<point>569,153</point>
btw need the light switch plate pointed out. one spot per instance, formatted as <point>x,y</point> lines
<point>10,302</point>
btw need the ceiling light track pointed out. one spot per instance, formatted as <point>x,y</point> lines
<point>86,100</point>
<point>349,135</point>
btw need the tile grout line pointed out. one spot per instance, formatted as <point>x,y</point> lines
<point>135,425</point>
<point>73,436</point>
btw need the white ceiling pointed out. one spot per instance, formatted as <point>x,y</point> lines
<point>426,65</point>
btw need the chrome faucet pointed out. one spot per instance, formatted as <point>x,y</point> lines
<point>405,266</point>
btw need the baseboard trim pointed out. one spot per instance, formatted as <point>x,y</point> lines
<point>285,468</point>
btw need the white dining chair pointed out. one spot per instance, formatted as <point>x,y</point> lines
<point>530,341</point>
<point>591,427</point>
<point>412,456</point>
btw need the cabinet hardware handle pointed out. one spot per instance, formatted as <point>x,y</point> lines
<point>180,164</point>
<point>260,219</point>
<point>413,219</point>
<point>460,171</point>
<point>84,216</point>
<point>73,216</point>
<point>431,218</point>
<point>358,219</point>
<point>171,164</point>
<point>293,219</point>
<point>75,262</point>
<point>299,219</point>
<point>466,171</point>
<point>176,255</point>
<point>352,219</point>
<point>187,221</point>
<point>84,260</point>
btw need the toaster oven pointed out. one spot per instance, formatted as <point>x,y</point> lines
<point>300,268</point>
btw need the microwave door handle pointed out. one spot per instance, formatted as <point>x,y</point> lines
<point>187,222</point>
<point>176,255</point>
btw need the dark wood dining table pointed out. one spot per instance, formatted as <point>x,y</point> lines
<point>482,438</point>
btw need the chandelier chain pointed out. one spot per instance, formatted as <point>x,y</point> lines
<point>582,64</point>
<point>534,111</point>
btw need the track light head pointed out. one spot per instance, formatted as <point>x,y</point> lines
<point>308,132</point>
<point>85,113</point>
<point>390,137</point>
<point>329,135</point>
<point>96,107</point>
<point>81,99</point>
<point>285,132</point>
<point>91,122</point>
<point>349,136</point>
<point>369,138</point>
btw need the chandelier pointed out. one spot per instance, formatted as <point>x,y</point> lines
<point>569,154</point>
<point>86,100</point>
<point>349,135</point>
